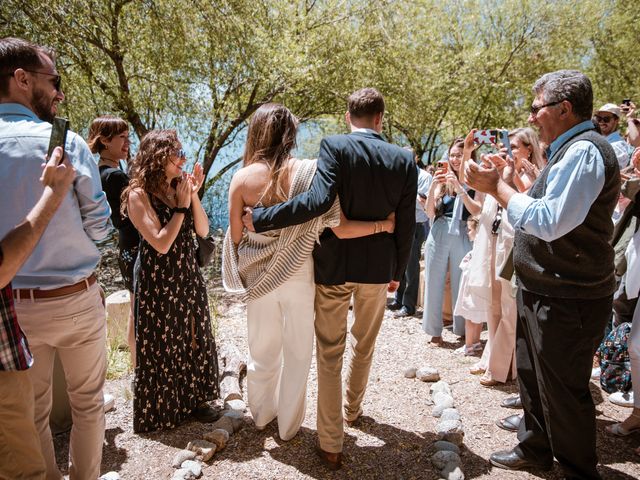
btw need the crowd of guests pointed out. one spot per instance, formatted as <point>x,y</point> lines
<point>521,238</point>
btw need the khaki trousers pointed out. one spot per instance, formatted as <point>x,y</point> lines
<point>332,306</point>
<point>20,456</point>
<point>74,326</point>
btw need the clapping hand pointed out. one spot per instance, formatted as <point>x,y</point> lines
<point>530,169</point>
<point>184,190</point>
<point>483,178</point>
<point>196,179</point>
<point>453,182</point>
<point>56,174</point>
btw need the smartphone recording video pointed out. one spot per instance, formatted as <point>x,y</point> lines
<point>58,136</point>
<point>485,137</point>
<point>442,168</point>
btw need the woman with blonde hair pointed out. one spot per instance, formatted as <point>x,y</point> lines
<point>528,157</point>
<point>273,271</point>
<point>487,297</point>
<point>177,370</point>
<point>109,138</point>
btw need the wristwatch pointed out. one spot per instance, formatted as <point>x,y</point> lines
<point>184,210</point>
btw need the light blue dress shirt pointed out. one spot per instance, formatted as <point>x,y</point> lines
<point>424,182</point>
<point>573,184</point>
<point>66,253</point>
<point>621,147</point>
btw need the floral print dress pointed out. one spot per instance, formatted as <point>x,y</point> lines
<point>177,365</point>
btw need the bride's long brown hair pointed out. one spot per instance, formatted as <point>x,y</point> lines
<point>270,139</point>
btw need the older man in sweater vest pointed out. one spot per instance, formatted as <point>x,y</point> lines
<point>564,267</point>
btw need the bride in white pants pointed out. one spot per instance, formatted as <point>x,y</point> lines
<point>273,271</point>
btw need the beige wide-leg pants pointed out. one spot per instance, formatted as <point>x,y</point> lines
<point>280,330</point>
<point>332,307</point>
<point>75,327</point>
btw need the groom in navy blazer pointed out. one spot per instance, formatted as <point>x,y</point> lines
<point>372,178</point>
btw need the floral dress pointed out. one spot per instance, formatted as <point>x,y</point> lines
<point>177,365</point>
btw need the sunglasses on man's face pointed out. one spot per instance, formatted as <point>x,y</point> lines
<point>57,83</point>
<point>600,119</point>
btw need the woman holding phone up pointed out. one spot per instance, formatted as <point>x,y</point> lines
<point>449,204</point>
<point>177,370</point>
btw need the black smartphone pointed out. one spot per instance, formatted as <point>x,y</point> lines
<point>58,135</point>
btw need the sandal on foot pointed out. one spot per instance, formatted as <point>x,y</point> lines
<point>619,431</point>
<point>510,423</point>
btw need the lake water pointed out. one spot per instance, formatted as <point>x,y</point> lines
<point>215,199</point>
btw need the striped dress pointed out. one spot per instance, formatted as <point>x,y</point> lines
<point>262,262</point>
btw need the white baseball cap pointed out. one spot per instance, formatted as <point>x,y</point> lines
<point>610,108</point>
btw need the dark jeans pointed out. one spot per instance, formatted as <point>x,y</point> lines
<point>407,293</point>
<point>555,342</point>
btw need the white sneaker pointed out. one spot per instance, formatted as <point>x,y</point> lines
<point>595,373</point>
<point>622,399</point>
<point>109,402</point>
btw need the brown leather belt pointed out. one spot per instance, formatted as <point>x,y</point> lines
<point>27,293</point>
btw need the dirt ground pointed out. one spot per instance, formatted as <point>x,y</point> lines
<point>393,442</point>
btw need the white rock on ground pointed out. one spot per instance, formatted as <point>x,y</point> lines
<point>452,472</point>
<point>428,374</point>
<point>237,405</point>
<point>410,372</point>
<point>181,456</point>
<point>450,414</point>
<point>183,474</point>
<point>440,386</point>
<point>110,476</point>
<point>192,466</point>
<point>442,401</point>
<point>451,431</point>
<point>237,419</point>
<point>204,450</point>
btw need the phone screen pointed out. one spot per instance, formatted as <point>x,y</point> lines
<point>58,135</point>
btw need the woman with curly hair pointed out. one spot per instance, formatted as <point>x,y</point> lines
<point>177,370</point>
<point>273,271</point>
<point>109,138</point>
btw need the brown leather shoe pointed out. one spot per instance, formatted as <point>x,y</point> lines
<point>333,461</point>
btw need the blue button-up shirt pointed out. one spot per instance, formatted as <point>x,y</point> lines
<point>573,184</point>
<point>621,147</point>
<point>66,253</point>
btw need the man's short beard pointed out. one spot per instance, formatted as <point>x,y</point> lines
<point>42,106</point>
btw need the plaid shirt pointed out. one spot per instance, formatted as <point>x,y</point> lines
<point>14,349</point>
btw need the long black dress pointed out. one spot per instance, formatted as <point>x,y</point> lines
<point>177,367</point>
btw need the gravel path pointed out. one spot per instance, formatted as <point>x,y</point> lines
<point>394,441</point>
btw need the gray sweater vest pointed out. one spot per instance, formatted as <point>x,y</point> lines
<point>580,263</point>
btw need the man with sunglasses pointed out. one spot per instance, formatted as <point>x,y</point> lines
<point>564,268</point>
<point>56,297</point>
<point>607,119</point>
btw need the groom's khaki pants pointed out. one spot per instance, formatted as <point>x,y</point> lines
<point>332,306</point>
